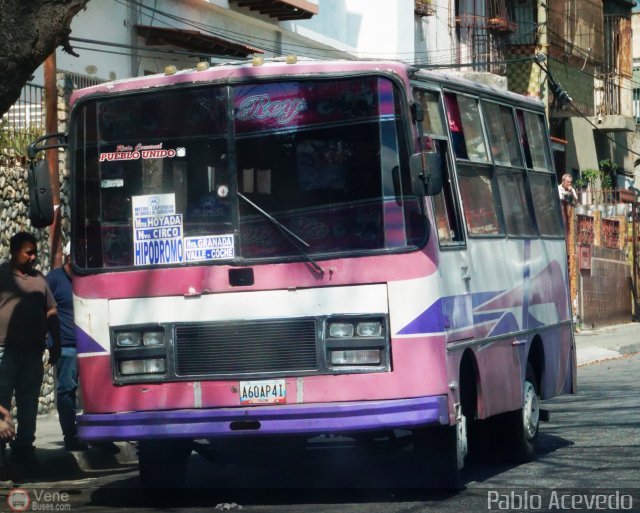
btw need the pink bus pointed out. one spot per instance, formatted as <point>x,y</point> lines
<point>339,248</point>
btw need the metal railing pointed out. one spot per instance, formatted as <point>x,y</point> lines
<point>23,122</point>
<point>605,196</point>
<point>27,112</point>
<point>73,81</point>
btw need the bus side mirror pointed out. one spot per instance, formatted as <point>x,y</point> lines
<point>426,181</point>
<point>40,194</point>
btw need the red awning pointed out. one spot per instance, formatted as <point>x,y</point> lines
<point>281,9</point>
<point>194,41</point>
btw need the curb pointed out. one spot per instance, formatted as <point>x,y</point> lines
<point>56,464</point>
<point>588,355</point>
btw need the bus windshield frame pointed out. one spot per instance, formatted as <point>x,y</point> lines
<point>158,175</point>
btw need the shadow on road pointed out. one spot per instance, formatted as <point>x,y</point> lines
<point>335,475</point>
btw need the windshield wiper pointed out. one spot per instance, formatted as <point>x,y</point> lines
<point>295,240</point>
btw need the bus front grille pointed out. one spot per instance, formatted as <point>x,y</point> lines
<point>246,347</point>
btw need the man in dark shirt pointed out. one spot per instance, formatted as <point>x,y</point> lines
<point>27,313</point>
<point>59,281</point>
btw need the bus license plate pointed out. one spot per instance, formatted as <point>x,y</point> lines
<point>273,391</point>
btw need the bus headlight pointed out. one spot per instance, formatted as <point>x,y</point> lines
<point>356,357</point>
<point>147,366</point>
<point>369,329</point>
<point>357,343</point>
<point>143,337</point>
<point>341,329</point>
<point>140,353</point>
<point>152,338</point>
<point>128,339</point>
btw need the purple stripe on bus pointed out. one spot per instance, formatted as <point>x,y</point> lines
<point>432,319</point>
<point>526,284</point>
<point>86,344</point>
<point>266,420</point>
<point>507,324</point>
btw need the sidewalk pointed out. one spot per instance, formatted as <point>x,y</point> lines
<point>607,342</point>
<point>59,465</point>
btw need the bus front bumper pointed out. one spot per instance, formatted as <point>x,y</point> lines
<point>294,419</point>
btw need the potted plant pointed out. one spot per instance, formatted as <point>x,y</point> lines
<point>580,185</point>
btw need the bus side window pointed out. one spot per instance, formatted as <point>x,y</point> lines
<point>466,127</point>
<point>532,124</point>
<point>455,125</point>
<point>545,199</point>
<point>479,199</point>
<point>518,217</point>
<point>500,123</point>
<point>445,205</point>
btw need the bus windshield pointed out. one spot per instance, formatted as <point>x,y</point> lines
<point>157,173</point>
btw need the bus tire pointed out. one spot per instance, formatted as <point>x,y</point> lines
<point>441,451</point>
<point>520,428</point>
<point>163,463</point>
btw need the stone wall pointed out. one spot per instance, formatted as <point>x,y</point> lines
<point>14,212</point>
<point>15,217</point>
<point>606,290</point>
<point>601,286</point>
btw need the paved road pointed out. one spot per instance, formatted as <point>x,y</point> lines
<point>590,447</point>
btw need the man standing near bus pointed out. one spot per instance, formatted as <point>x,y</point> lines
<point>59,281</point>
<point>27,312</point>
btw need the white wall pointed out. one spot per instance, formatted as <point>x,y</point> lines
<point>371,29</point>
<point>102,21</point>
<point>434,40</point>
<point>341,29</point>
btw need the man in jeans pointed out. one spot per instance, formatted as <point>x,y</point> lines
<point>27,312</point>
<point>59,281</point>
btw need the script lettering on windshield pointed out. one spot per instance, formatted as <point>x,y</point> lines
<point>261,106</point>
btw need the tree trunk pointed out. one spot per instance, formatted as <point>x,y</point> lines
<point>31,31</point>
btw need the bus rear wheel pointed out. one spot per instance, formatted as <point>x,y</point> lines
<point>520,428</point>
<point>441,451</point>
<point>163,463</point>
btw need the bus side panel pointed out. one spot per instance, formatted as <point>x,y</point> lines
<point>518,293</point>
<point>559,372</point>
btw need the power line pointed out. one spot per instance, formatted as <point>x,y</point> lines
<point>563,99</point>
<point>433,61</point>
<point>139,48</point>
<point>598,129</point>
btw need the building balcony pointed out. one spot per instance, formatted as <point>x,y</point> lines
<point>283,10</point>
<point>424,8</point>
<point>501,25</point>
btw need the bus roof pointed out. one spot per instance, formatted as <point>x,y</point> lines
<point>456,81</point>
<point>303,67</point>
<point>238,71</point>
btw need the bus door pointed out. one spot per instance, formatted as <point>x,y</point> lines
<point>454,264</point>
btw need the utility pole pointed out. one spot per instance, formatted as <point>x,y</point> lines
<point>543,44</point>
<point>51,113</point>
